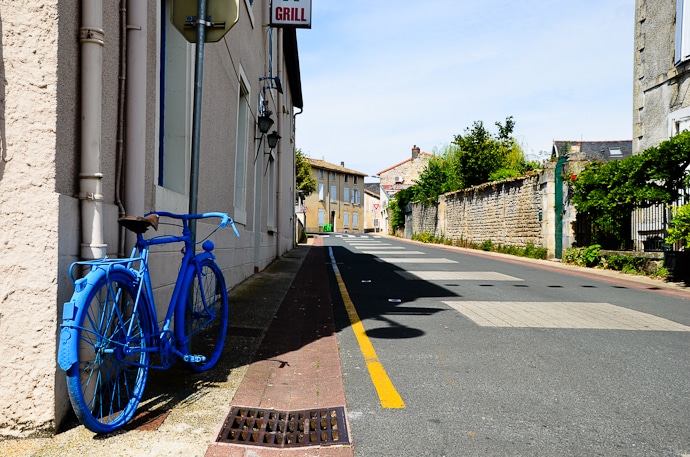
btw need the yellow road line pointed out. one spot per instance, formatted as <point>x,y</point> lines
<point>388,395</point>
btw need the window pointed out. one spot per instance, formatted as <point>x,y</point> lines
<point>320,191</point>
<point>332,175</point>
<point>678,121</point>
<point>682,45</point>
<point>355,179</point>
<point>355,220</point>
<point>334,194</point>
<point>243,110</point>
<point>320,174</point>
<point>346,194</point>
<point>355,197</point>
<point>322,217</point>
<point>615,152</point>
<point>271,220</point>
<point>177,84</point>
<point>346,177</point>
<point>346,219</point>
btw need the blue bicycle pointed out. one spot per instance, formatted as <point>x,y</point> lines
<point>110,329</point>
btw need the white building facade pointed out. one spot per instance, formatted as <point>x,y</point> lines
<point>97,122</point>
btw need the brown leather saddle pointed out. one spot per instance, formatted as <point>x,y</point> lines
<point>139,224</point>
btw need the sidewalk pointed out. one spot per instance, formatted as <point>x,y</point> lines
<point>281,354</point>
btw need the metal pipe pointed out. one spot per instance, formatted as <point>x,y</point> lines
<point>120,154</point>
<point>135,145</point>
<point>279,117</point>
<point>92,40</point>
<point>196,116</point>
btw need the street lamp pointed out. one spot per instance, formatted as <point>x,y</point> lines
<point>273,139</point>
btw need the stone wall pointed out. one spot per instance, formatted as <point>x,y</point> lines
<point>506,212</point>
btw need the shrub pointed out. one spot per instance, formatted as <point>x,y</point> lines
<point>679,226</point>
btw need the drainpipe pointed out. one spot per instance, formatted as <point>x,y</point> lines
<point>92,40</point>
<point>135,162</point>
<point>120,155</point>
<point>279,116</point>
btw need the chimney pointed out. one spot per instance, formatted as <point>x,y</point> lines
<point>415,152</point>
<point>342,164</point>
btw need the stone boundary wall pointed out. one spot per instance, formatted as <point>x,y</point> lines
<point>505,212</point>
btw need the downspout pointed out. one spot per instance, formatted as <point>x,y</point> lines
<point>276,166</point>
<point>92,40</point>
<point>294,185</point>
<point>135,138</point>
<point>120,154</point>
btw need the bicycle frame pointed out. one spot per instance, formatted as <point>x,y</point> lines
<point>137,265</point>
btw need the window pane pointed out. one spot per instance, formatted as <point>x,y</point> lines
<point>241,157</point>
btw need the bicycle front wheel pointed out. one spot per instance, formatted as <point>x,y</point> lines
<point>107,382</point>
<point>201,318</point>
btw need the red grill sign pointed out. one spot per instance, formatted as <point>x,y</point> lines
<point>294,13</point>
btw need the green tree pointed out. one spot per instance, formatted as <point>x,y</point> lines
<point>397,205</point>
<point>655,176</point>
<point>432,181</point>
<point>474,158</point>
<point>607,191</point>
<point>305,182</point>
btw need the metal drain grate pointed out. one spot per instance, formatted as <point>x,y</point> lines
<point>271,428</point>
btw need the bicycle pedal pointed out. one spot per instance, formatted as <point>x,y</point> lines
<point>194,358</point>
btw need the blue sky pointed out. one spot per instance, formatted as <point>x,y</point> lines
<point>380,77</point>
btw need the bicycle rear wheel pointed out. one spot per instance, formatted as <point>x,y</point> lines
<point>201,318</point>
<point>107,383</point>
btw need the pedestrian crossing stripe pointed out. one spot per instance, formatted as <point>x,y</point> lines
<point>414,260</point>
<point>562,315</point>
<point>456,276</point>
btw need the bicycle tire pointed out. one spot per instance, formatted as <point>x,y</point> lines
<point>106,384</point>
<point>201,317</point>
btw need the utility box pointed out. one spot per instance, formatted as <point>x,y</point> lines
<point>221,16</point>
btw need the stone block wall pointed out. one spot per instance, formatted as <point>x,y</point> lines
<point>506,212</point>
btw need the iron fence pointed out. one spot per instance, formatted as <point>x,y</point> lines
<point>637,229</point>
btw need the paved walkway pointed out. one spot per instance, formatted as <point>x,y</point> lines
<point>297,366</point>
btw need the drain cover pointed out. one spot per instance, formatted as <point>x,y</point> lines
<point>271,428</point>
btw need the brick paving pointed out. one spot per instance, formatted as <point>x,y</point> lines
<point>297,365</point>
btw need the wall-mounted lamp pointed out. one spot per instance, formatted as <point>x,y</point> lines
<point>273,139</point>
<point>265,122</point>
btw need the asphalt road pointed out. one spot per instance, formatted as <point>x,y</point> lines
<point>495,357</point>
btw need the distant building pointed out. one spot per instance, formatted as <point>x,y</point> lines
<point>372,207</point>
<point>338,200</point>
<point>399,177</point>
<point>588,150</point>
<point>661,83</point>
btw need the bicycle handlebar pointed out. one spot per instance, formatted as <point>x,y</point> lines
<point>225,219</point>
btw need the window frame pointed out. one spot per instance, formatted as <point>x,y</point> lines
<point>682,34</point>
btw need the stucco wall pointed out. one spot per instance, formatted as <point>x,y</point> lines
<point>29,211</point>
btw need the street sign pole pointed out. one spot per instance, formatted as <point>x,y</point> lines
<point>196,114</point>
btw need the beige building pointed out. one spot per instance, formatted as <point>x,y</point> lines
<point>338,200</point>
<point>97,121</point>
<point>661,86</point>
<point>372,207</point>
<point>398,177</point>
